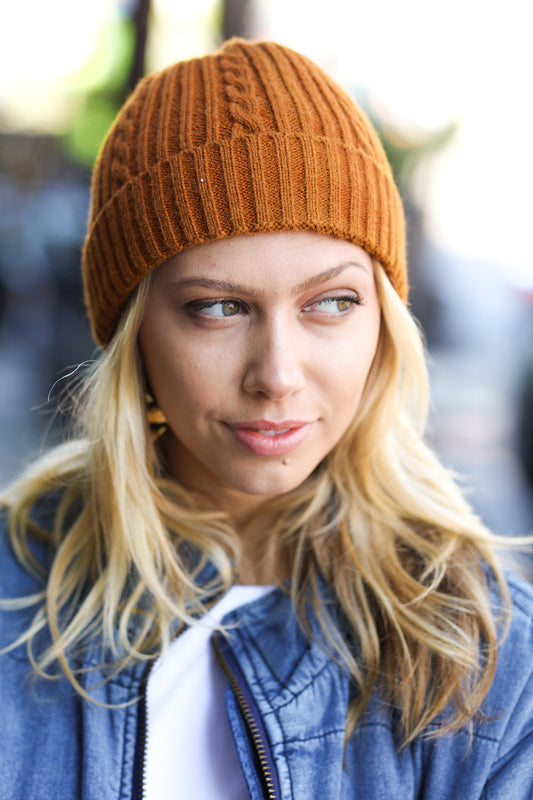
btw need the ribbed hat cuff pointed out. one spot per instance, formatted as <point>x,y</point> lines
<point>254,183</point>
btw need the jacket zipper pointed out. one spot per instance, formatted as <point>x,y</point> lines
<point>141,739</point>
<point>250,713</point>
<point>248,709</point>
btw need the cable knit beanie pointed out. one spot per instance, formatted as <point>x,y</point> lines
<point>253,138</point>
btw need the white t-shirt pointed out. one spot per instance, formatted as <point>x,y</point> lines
<point>190,749</point>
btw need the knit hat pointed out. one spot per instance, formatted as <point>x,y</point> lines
<point>253,138</point>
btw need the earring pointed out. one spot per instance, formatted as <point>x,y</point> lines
<point>156,419</point>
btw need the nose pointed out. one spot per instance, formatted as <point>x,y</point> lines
<point>275,361</point>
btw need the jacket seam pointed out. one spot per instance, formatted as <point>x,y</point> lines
<point>294,695</point>
<point>318,736</point>
<point>475,734</point>
<point>503,760</point>
<point>272,709</point>
<point>244,642</point>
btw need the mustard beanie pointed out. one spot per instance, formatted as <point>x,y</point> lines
<point>253,138</point>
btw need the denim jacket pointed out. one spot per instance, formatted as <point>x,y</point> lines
<point>287,706</point>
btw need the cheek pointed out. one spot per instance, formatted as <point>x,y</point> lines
<point>163,361</point>
<point>346,374</point>
<point>349,362</point>
<point>182,373</point>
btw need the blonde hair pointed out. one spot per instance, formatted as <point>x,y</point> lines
<point>380,520</point>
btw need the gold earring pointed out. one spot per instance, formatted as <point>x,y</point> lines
<point>156,419</point>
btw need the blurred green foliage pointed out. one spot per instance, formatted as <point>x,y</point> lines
<point>406,148</point>
<point>100,89</point>
<point>405,144</point>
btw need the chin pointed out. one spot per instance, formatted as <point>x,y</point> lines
<point>270,485</point>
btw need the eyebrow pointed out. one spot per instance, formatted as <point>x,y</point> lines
<point>230,286</point>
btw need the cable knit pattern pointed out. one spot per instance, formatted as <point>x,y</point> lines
<point>253,138</point>
<point>239,90</point>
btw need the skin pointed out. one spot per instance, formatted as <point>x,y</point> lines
<point>291,339</point>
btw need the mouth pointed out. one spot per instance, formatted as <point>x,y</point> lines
<point>267,438</point>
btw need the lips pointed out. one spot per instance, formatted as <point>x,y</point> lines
<point>267,438</point>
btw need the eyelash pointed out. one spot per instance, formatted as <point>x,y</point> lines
<point>354,300</point>
<point>199,306</point>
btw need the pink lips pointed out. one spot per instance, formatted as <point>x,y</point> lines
<point>266,438</point>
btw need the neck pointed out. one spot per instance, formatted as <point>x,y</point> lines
<point>253,519</point>
<point>258,566</point>
<point>251,516</point>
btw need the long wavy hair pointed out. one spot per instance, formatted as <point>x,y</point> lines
<point>380,520</point>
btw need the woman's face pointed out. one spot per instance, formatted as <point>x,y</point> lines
<point>257,349</point>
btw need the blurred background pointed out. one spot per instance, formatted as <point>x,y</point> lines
<point>448,88</point>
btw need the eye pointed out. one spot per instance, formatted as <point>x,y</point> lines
<point>218,308</point>
<point>335,305</point>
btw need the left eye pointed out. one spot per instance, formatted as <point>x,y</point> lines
<point>219,308</point>
<point>335,305</point>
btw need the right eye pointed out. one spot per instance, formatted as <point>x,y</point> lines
<point>218,308</point>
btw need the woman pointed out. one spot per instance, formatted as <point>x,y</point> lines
<point>248,576</point>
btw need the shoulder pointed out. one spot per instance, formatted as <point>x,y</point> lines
<point>519,619</point>
<point>16,578</point>
<point>510,699</point>
<point>521,591</point>
<point>25,563</point>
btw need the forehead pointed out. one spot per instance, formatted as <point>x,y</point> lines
<point>267,260</point>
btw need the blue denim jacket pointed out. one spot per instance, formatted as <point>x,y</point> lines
<point>287,711</point>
